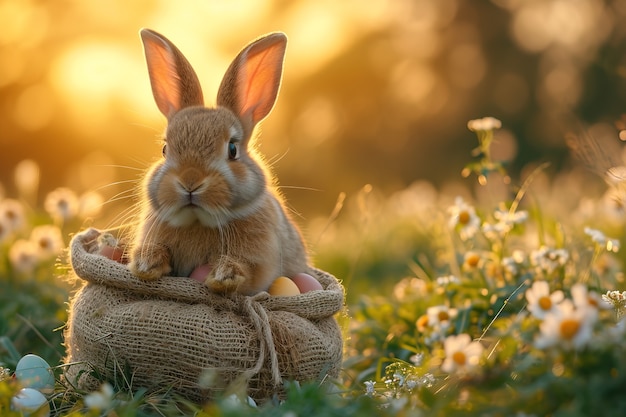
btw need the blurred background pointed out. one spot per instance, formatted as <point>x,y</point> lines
<point>375,92</point>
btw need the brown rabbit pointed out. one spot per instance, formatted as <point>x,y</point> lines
<point>207,201</point>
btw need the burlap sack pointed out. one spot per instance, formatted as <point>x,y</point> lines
<point>170,333</point>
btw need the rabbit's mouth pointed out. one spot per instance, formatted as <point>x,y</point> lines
<point>192,201</point>
<point>193,196</point>
<point>192,213</point>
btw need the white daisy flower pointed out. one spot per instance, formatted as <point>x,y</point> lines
<point>611,245</point>
<point>484,124</point>
<point>370,388</point>
<point>541,301</point>
<point>440,317</point>
<point>463,216</point>
<point>473,260</point>
<point>583,298</point>
<point>446,280</point>
<point>12,214</point>
<point>509,219</point>
<point>409,287</point>
<point>617,300</point>
<point>512,264</point>
<point>568,327</point>
<point>462,355</point>
<point>548,260</point>
<point>49,241</point>
<point>495,230</point>
<point>24,256</point>
<point>62,204</point>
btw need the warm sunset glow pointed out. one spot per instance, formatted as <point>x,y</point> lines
<point>376,93</point>
<point>443,202</point>
<point>94,77</point>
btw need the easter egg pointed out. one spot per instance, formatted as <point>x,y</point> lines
<point>34,372</point>
<point>251,402</point>
<point>201,272</point>
<point>30,402</point>
<point>114,253</point>
<point>306,282</point>
<point>112,248</point>
<point>283,286</point>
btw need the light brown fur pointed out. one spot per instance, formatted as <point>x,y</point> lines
<point>201,205</point>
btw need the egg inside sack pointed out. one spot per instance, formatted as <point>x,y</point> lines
<point>30,402</point>
<point>201,272</point>
<point>34,372</point>
<point>114,253</point>
<point>112,248</point>
<point>306,282</point>
<point>283,286</point>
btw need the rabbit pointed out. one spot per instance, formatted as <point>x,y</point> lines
<point>210,199</point>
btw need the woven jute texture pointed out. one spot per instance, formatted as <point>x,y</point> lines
<point>172,333</point>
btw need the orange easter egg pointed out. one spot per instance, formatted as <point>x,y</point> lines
<point>283,286</point>
<point>306,282</point>
<point>201,272</point>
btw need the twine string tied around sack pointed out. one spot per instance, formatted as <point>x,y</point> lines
<point>260,320</point>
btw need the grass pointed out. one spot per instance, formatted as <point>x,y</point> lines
<point>493,303</point>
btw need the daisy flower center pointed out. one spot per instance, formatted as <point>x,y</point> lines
<point>45,243</point>
<point>545,303</point>
<point>464,217</point>
<point>63,205</point>
<point>422,323</point>
<point>472,260</point>
<point>459,358</point>
<point>569,328</point>
<point>443,316</point>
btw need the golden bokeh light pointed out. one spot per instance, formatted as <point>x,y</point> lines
<point>375,93</point>
<point>576,25</point>
<point>24,23</point>
<point>317,122</point>
<point>96,78</point>
<point>34,107</point>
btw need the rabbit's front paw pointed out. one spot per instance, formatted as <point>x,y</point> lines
<point>226,277</point>
<point>149,264</point>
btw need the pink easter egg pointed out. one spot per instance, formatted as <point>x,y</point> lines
<point>201,272</point>
<point>306,282</point>
<point>114,253</point>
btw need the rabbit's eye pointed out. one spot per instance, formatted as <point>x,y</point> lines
<point>233,151</point>
<point>164,150</point>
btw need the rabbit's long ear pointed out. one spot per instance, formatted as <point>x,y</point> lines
<point>250,85</point>
<point>174,83</point>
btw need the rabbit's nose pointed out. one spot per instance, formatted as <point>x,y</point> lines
<point>202,188</point>
<point>191,188</point>
<point>190,180</point>
<point>190,183</point>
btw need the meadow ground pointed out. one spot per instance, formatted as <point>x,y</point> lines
<point>494,297</point>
